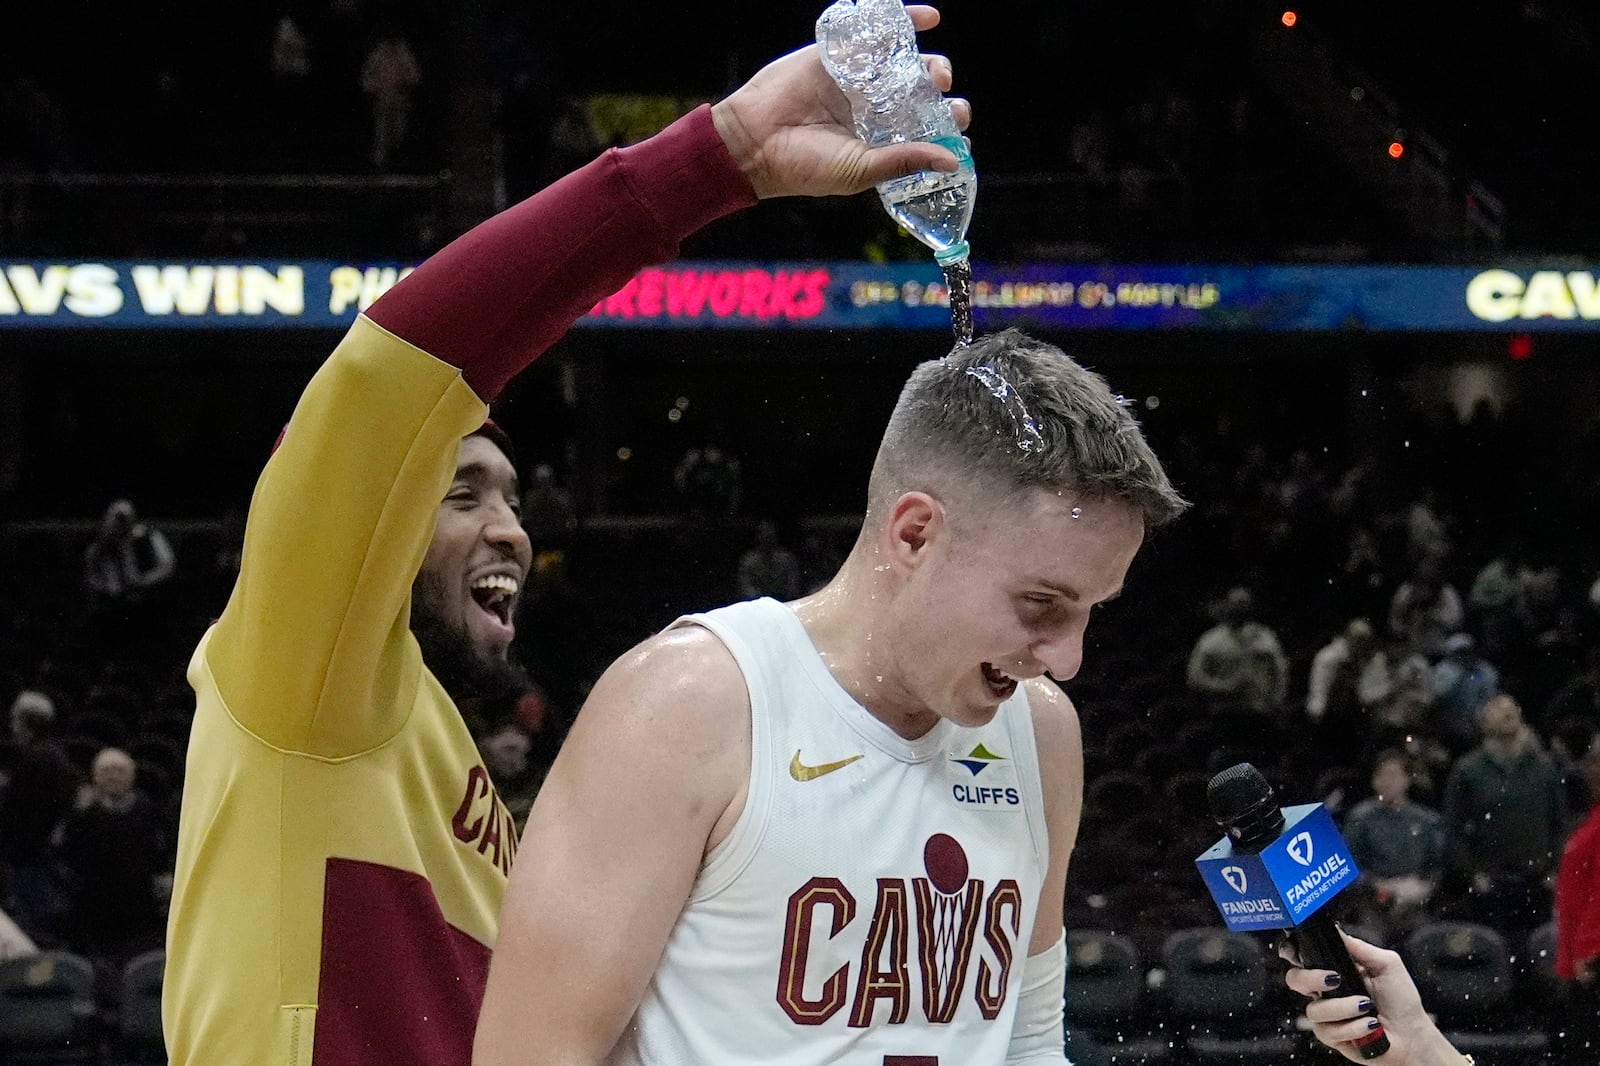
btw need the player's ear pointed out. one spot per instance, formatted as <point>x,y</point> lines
<point>915,522</point>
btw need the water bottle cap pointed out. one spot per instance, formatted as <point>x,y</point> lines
<point>953,254</point>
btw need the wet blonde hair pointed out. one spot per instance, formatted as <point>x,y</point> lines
<point>1008,414</point>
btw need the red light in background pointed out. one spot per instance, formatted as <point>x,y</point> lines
<point>1520,347</point>
<point>1290,18</point>
<point>1396,149</point>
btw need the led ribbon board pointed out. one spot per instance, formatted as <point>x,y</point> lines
<point>326,294</point>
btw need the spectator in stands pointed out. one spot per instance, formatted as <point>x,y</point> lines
<point>1503,811</point>
<point>1350,675</point>
<point>1238,664</point>
<point>117,854</point>
<point>1405,709</point>
<point>560,632</point>
<point>41,784</point>
<point>1496,596</point>
<point>292,92</point>
<point>709,481</point>
<point>390,75</point>
<point>1578,924</point>
<point>548,514</point>
<point>767,568</point>
<point>1425,608</point>
<point>516,778</point>
<point>126,560</point>
<point>1427,528</point>
<point>1463,682</point>
<point>1362,577</point>
<point>1398,845</point>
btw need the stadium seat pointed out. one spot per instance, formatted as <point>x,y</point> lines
<point>1221,998</point>
<point>1464,972</point>
<point>1119,794</point>
<point>139,1038</point>
<point>47,1010</point>
<point>1107,1009</point>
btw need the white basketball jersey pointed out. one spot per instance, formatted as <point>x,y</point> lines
<point>873,904</point>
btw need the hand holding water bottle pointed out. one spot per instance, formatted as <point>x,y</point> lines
<point>791,130</point>
<point>870,49</point>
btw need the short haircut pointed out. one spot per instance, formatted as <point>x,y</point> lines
<point>1007,414</point>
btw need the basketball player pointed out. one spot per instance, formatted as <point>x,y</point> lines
<point>837,830</point>
<point>342,854</point>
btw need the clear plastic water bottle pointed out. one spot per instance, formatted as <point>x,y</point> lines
<point>870,49</point>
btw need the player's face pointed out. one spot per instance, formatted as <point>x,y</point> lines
<point>1008,598</point>
<point>479,558</point>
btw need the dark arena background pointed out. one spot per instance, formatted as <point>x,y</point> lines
<point>1343,258</point>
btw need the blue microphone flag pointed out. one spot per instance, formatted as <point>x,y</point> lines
<point>1290,880</point>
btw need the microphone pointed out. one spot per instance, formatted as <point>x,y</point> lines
<point>1278,869</point>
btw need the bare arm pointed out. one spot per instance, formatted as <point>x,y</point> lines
<point>1060,742</point>
<point>612,849</point>
<point>1037,1030</point>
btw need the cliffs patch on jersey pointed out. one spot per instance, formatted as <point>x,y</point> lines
<point>992,784</point>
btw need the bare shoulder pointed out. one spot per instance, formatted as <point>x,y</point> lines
<point>678,694</point>
<point>1060,743</point>
<point>1055,722</point>
<point>677,700</point>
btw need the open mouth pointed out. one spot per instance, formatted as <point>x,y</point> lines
<point>495,595</point>
<point>1001,685</point>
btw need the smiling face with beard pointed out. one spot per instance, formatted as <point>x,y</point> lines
<point>466,672</point>
<point>465,594</point>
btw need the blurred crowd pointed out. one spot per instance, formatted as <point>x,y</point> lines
<point>1434,680</point>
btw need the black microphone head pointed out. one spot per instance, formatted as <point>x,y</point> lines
<point>1236,790</point>
<point>1243,804</point>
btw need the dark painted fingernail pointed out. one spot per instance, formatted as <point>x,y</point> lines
<point>1332,980</point>
<point>1373,1024</point>
<point>1364,1007</point>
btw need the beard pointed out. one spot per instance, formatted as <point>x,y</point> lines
<point>465,671</point>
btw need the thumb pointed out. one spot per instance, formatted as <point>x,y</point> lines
<point>908,157</point>
<point>1371,958</point>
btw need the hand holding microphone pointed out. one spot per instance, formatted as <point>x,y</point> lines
<point>1278,869</point>
<point>1414,1039</point>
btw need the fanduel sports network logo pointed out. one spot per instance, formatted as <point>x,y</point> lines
<point>1288,880</point>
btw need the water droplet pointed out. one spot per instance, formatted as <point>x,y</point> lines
<point>880,679</point>
<point>1077,512</point>
<point>880,568</point>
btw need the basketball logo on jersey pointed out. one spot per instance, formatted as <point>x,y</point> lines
<point>993,782</point>
<point>951,911</point>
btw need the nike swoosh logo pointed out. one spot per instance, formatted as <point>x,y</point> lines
<point>801,772</point>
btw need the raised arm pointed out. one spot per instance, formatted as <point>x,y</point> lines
<point>312,651</point>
